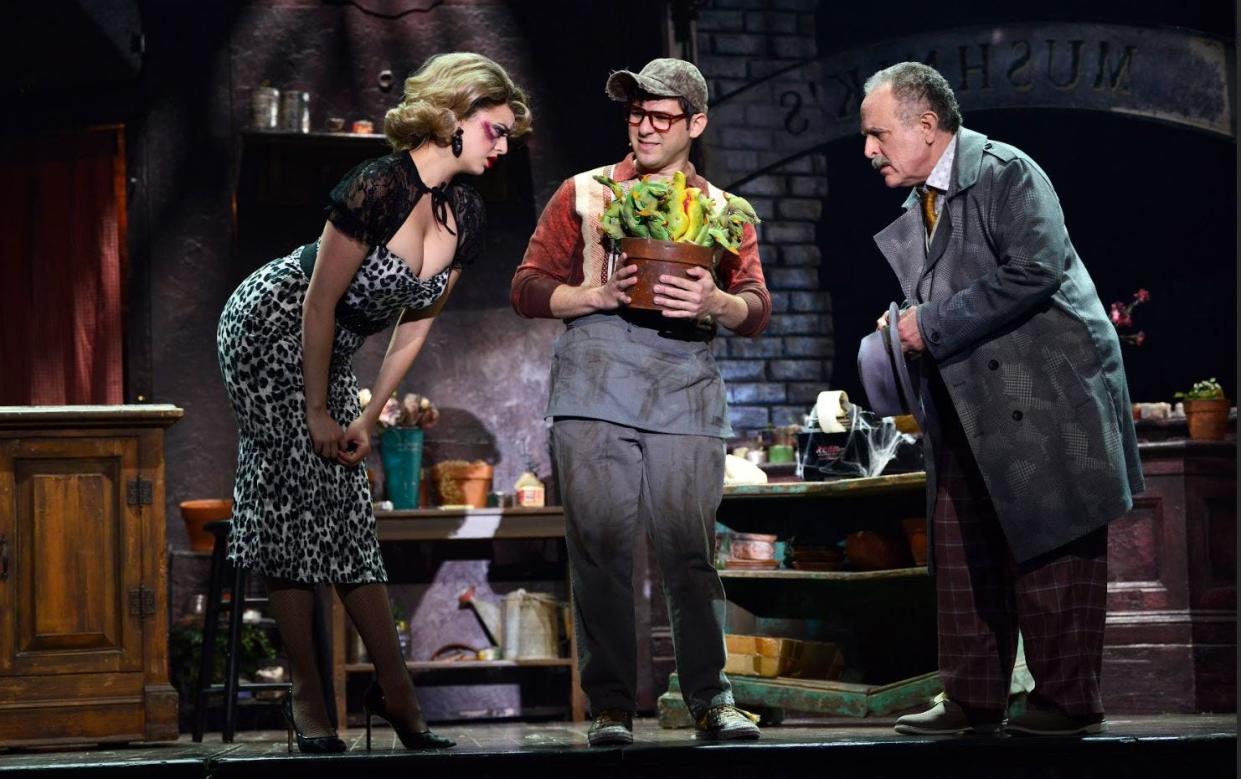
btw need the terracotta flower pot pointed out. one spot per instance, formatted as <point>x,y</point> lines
<point>1207,418</point>
<point>915,533</point>
<point>654,258</point>
<point>868,550</point>
<point>462,484</point>
<point>197,513</point>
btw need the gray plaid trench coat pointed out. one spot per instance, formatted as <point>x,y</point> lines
<point>1012,321</point>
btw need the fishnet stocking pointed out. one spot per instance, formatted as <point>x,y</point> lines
<point>368,607</point>
<point>292,604</point>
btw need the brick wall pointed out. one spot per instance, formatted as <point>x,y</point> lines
<point>772,379</point>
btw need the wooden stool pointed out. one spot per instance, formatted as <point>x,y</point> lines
<point>236,606</point>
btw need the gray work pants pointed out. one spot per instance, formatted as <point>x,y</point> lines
<point>615,480</point>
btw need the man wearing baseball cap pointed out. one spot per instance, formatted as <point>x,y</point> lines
<point>638,411</point>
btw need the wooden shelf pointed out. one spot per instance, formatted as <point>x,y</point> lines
<point>837,488</point>
<point>469,524</point>
<point>784,574</point>
<point>461,524</point>
<point>433,513</point>
<point>133,415</point>
<point>313,135</point>
<point>455,665</point>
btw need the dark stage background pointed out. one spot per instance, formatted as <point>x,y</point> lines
<point>1148,204</point>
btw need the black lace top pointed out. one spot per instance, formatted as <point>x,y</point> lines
<point>373,200</point>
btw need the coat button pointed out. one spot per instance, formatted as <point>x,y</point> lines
<point>987,145</point>
<point>935,336</point>
<point>993,364</point>
<point>1016,416</point>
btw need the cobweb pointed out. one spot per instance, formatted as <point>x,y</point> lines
<point>872,443</point>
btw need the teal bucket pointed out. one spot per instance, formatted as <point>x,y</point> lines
<point>401,448</point>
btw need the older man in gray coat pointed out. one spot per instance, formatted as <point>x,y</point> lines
<point>1031,447</point>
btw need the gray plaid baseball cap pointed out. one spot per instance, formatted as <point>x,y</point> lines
<point>664,77</point>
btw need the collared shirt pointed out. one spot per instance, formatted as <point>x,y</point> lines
<point>941,174</point>
<point>940,179</point>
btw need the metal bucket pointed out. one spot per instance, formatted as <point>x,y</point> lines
<point>531,626</point>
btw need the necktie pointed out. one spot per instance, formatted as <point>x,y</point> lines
<point>929,217</point>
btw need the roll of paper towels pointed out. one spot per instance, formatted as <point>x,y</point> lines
<point>832,410</point>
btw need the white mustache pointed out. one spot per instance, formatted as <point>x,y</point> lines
<point>879,161</point>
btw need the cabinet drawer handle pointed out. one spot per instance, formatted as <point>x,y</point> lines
<point>4,558</point>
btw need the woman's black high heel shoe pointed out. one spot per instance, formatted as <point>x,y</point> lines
<point>375,706</point>
<point>317,745</point>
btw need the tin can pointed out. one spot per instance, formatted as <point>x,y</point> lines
<point>264,108</point>
<point>295,111</point>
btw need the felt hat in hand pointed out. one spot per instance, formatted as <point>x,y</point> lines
<point>885,372</point>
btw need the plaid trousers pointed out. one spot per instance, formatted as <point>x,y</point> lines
<point>1058,600</point>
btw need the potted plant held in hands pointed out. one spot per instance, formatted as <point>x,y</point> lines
<point>402,423</point>
<point>667,227</point>
<point>1206,410</point>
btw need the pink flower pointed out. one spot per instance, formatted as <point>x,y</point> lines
<point>1121,315</point>
<point>390,416</point>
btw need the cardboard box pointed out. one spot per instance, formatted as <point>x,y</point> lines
<point>770,657</point>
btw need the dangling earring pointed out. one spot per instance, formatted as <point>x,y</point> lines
<point>456,143</point>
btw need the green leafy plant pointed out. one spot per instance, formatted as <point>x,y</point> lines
<point>672,211</point>
<point>1207,389</point>
<point>185,644</point>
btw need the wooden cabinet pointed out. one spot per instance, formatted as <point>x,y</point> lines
<point>1171,638</point>
<point>84,627</point>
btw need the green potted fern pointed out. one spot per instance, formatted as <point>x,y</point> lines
<point>1206,410</point>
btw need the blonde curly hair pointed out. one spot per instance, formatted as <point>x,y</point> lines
<point>446,89</point>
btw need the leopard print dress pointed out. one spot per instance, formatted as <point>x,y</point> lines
<point>297,515</point>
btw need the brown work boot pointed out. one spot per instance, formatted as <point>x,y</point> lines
<point>611,727</point>
<point>948,718</point>
<point>1042,720</point>
<point>727,723</point>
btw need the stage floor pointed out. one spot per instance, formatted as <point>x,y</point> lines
<point>1135,746</point>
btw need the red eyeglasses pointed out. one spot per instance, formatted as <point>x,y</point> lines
<point>660,121</point>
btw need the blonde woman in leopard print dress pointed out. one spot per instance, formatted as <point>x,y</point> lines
<point>399,231</point>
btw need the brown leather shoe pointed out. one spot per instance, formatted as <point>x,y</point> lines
<point>946,718</point>
<point>1040,720</point>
